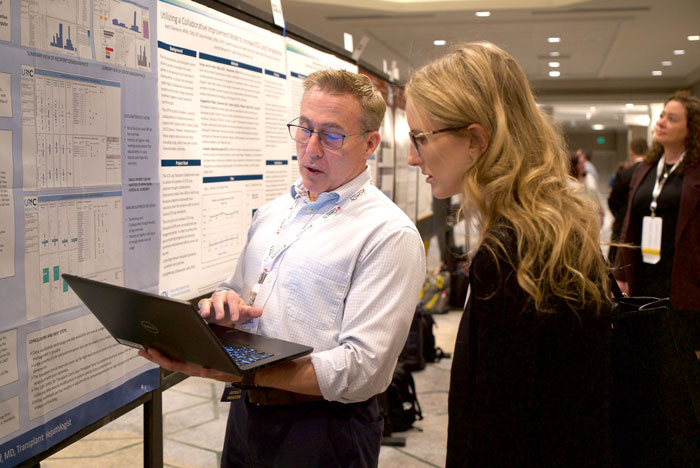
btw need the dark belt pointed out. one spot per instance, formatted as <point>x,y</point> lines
<point>273,396</point>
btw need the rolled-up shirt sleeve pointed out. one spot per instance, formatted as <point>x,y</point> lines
<point>379,307</point>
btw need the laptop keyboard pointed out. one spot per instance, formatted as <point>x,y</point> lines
<point>245,355</point>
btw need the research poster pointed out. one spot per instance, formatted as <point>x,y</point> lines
<point>224,105</point>
<point>382,162</point>
<point>406,177</point>
<point>79,193</point>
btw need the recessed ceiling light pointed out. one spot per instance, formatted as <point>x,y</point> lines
<point>679,52</point>
<point>554,64</point>
<point>554,73</point>
<point>694,38</point>
<point>666,63</point>
<point>657,73</point>
<point>589,115</point>
<point>553,40</point>
<point>483,14</point>
<point>554,54</point>
<point>592,108</point>
<point>439,42</point>
<point>598,127</point>
<point>629,105</point>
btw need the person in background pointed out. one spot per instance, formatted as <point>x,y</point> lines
<point>588,186</point>
<point>333,264</point>
<point>530,382</point>
<point>586,154</point>
<point>619,194</point>
<point>664,204</point>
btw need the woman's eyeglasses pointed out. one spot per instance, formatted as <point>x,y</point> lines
<point>421,139</point>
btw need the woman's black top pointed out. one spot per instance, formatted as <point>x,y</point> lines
<point>527,389</point>
<point>655,279</point>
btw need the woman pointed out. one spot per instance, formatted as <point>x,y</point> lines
<point>668,178</point>
<point>530,382</point>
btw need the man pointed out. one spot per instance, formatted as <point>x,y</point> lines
<point>619,194</point>
<point>334,265</point>
<point>586,155</point>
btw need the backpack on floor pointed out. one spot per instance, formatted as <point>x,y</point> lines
<point>412,355</point>
<point>431,353</point>
<point>399,402</point>
<point>435,294</point>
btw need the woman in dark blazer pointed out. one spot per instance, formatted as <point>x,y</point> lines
<point>672,166</point>
<point>530,382</point>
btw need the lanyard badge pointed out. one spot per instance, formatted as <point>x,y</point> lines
<point>652,226</point>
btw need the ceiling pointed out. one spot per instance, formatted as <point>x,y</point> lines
<point>607,53</point>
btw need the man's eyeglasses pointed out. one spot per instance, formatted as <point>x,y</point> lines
<point>330,140</point>
<point>421,139</point>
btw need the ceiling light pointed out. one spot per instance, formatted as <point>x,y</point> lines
<point>483,14</point>
<point>629,105</point>
<point>553,40</point>
<point>554,64</point>
<point>657,73</point>
<point>694,38</point>
<point>588,115</point>
<point>598,127</point>
<point>554,73</point>
<point>592,108</point>
<point>554,54</point>
<point>679,52</point>
<point>666,63</point>
<point>439,42</point>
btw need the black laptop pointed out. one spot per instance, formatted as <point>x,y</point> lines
<point>175,328</point>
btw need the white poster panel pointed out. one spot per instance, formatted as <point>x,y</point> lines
<point>7,215</point>
<point>223,99</point>
<point>406,176</point>
<point>5,94</point>
<point>5,20</point>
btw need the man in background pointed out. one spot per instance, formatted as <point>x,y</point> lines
<point>586,155</point>
<point>619,194</point>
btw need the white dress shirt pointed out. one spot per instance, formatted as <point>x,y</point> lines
<point>347,283</point>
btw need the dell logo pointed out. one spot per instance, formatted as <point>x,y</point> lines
<point>149,327</point>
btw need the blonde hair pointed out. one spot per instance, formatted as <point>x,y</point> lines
<point>521,183</point>
<point>345,82</point>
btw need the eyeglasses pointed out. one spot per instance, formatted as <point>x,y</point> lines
<point>422,137</point>
<point>330,140</point>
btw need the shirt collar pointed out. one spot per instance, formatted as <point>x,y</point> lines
<point>338,195</point>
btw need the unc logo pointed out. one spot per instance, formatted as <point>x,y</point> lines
<point>149,327</point>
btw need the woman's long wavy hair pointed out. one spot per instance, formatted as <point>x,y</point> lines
<point>521,183</point>
<point>692,144</point>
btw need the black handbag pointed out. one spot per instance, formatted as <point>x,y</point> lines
<point>656,376</point>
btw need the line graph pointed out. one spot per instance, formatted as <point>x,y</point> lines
<point>221,221</point>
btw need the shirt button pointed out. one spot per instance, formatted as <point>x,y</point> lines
<point>309,209</point>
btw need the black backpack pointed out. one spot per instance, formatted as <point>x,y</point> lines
<point>412,355</point>
<point>420,343</point>
<point>431,353</point>
<point>399,402</point>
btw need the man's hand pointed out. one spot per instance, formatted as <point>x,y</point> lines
<point>186,368</point>
<point>227,307</point>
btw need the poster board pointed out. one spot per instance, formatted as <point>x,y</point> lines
<point>137,139</point>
